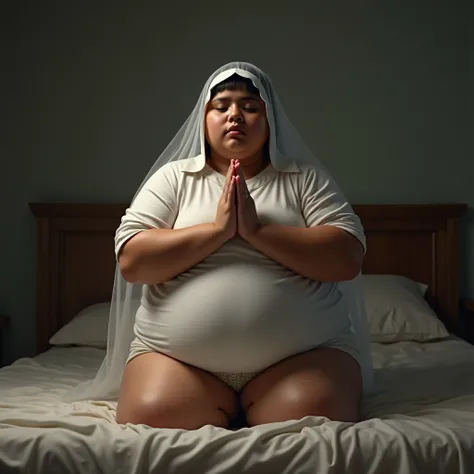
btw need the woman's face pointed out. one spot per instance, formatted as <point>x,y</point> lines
<point>236,125</point>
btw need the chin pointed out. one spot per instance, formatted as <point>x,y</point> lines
<point>241,152</point>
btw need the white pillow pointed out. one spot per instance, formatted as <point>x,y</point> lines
<point>397,310</point>
<point>88,328</point>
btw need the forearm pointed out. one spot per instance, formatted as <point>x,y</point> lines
<point>323,253</point>
<point>158,255</point>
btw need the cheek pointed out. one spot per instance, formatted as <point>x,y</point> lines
<point>261,127</point>
<point>212,126</point>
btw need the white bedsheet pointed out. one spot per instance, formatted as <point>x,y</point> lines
<point>420,420</point>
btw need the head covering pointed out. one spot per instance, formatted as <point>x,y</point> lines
<point>286,149</point>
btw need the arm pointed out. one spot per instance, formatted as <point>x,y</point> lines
<point>157,255</point>
<point>324,253</point>
<point>150,251</point>
<point>332,245</point>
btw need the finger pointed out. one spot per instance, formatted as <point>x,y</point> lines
<point>232,191</point>
<point>240,193</point>
<point>235,167</point>
<point>243,182</point>
<point>228,178</point>
<point>241,173</point>
<point>229,188</point>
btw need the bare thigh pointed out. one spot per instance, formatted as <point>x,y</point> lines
<point>162,392</point>
<point>321,382</point>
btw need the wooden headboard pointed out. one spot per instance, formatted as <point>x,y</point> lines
<point>76,262</point>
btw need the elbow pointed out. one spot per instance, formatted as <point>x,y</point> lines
<point>127,268</point>
<point>132,273</point>
<point>126,272</point>
<point>349,273</point>
<point>128,260</point>
<point>352,265</point>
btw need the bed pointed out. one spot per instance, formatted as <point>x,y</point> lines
<point>419,419</point>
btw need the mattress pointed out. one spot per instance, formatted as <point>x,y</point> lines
<point>420,419</point>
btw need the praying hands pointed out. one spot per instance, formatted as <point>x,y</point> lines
<point>236,212</point>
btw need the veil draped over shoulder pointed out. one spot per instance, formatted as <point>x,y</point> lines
<point>286,147</point>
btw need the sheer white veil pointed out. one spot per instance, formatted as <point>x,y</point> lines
<point>286,146</point>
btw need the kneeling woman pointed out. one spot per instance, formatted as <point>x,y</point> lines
<point>240,250</point>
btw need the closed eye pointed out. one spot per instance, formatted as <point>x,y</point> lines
<point>250,110</point>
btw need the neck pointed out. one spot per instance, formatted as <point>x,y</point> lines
<point>251,165</point>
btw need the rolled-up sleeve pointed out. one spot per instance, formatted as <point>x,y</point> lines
<point>323,203</point>
<point>154,207</point>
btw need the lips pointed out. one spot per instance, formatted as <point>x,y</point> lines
<point>235,130</point>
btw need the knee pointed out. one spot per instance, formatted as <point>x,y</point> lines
<point>333,407</point>
<point>298,405</point>
<point>159,414</point>
<point>143,412</point>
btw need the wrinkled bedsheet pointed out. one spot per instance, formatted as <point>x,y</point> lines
<point>420,419</point>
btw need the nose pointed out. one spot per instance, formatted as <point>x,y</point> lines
<point>235,114</point>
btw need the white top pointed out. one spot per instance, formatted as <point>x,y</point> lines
<point>185,193</point>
